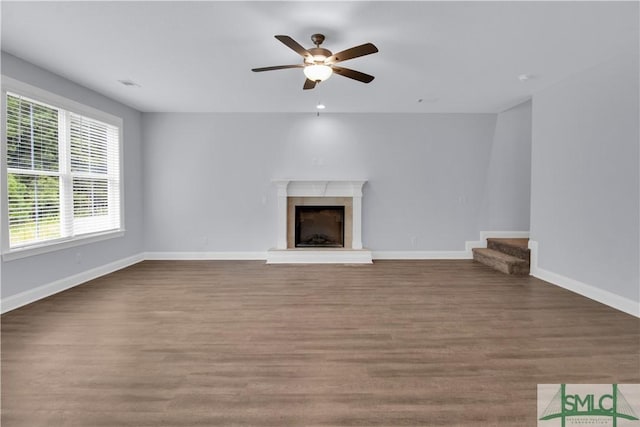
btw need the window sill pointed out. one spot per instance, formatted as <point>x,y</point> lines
<point>59,245</point>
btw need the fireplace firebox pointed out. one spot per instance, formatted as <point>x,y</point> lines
<point>319,227</point>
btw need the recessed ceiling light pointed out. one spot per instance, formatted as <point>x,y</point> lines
<point>320,106</point>
<point>129,83</point>
<point>524,77</point>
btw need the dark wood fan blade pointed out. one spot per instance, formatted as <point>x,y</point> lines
<point>353,74</point>
<point>277,67</point>
<point>309,84</point>
<point>354,52</point>
<point>294,45</point>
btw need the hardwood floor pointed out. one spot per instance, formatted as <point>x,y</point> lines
<point>220,343</point>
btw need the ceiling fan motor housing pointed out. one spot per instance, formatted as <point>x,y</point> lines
<point>318,51</point>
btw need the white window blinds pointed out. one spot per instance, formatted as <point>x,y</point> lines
<point>95,175</point>
<point>33,176</point>
<point>63,173</point>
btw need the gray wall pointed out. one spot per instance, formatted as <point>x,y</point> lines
<point>508,185</point>
<point>28,273</point>
<point>585,191</point>
<point>208,176</point>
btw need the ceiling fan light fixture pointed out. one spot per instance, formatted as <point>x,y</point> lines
<point>317,72</point>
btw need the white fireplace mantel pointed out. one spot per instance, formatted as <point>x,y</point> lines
<point>316,188</point>
<point>319,188</point>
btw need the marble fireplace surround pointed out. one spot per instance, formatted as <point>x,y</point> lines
<point>347,193</point>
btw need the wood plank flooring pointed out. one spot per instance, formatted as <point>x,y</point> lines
<point>230,343</point>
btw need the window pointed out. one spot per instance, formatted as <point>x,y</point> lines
<point>62,172</point>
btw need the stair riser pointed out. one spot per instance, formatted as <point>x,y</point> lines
<point>520,269</point>
<point>510,250</point>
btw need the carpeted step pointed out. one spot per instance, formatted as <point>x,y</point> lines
<point>500,261</point>
<point>514,247</point>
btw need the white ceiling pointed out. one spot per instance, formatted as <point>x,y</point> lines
<point>197,56</point>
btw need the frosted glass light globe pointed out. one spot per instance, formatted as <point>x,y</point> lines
<point>317,72</point>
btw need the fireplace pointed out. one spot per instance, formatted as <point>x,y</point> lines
<point>319,222</point>
<point>319,227</point>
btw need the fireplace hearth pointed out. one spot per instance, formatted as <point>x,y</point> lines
<point>319,227</point>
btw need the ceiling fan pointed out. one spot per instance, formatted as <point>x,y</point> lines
<point>319,63</point>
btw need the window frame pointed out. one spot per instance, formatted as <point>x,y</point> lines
<point>20,88</point>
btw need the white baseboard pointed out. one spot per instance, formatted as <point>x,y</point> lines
<point>399,255</point>
<point>484,235</point>
<point>612,300</point>
<point>466,254</point>
<point>14,301</point>
<point>212,256</point>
